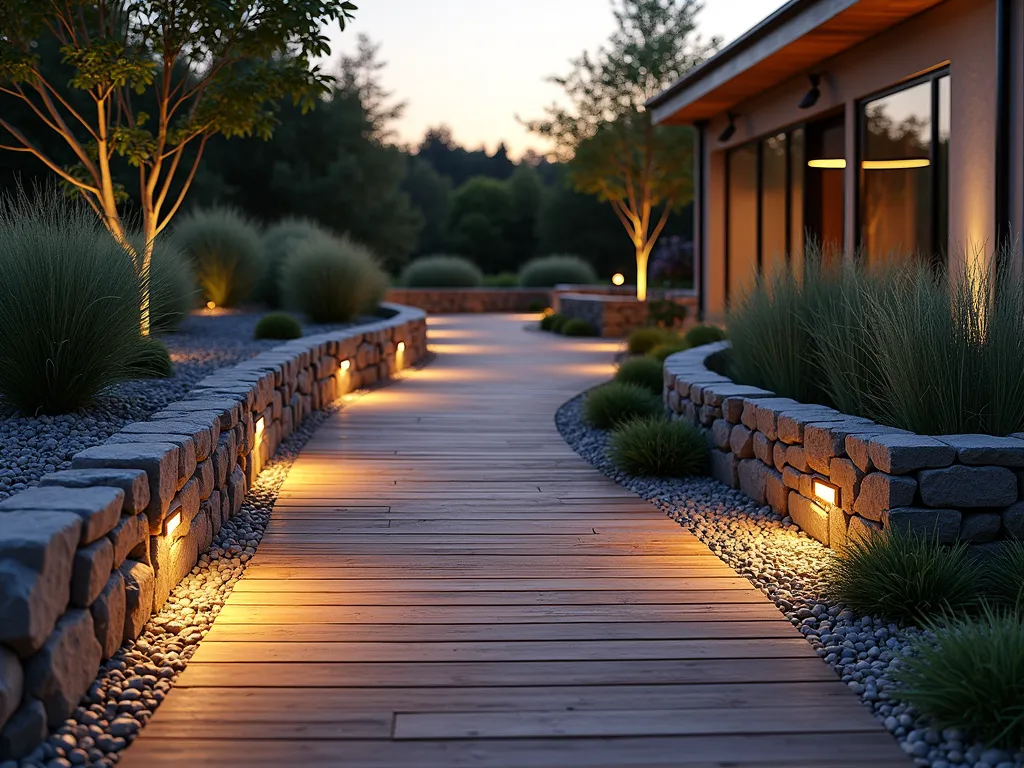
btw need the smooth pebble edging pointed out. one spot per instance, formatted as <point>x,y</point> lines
<point>784,563</point>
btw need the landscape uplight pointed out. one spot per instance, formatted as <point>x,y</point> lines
<point>825,493</point>
<point>211,305</point>
<point>618,279</point>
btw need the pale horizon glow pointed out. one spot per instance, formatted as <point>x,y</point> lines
<point>474,65</point>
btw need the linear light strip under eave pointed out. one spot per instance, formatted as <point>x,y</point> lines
<point>895,165</point>
<point>827,162</point>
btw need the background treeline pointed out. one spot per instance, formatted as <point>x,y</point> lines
<point>340,166</point>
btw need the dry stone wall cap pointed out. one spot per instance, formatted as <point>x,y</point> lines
<point>158,460</point>
<point>98,507</point>
<point>986,449</point>
<point>900,454</point>
<point>133,482</point>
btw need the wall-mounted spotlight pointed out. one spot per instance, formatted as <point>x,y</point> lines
<point>730,129</point>
<point>825,494</point>
<point>812,96</point>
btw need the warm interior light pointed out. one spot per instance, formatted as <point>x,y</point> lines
<point>346,364</point>
<point>173,522</point>
<point>826,493</point>
<point>259,430</point>
<point>827,162</point>
<point>895,165</point>
<point>618,279</point>
<point>211,305</point>
<point>401,346</point>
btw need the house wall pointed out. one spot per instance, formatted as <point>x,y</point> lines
<point>961,33</point>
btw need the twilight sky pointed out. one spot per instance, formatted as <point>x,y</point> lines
<point>476,64</point>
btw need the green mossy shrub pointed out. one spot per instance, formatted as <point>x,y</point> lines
<point>613,403</point>
<point>662,351</point>
<point>1004,576</point>
<point>278,325</point>
<point>643,340</point>
<point>558,322</point>
<point>279,241</point>
<point>644,372</point>
<point>150,360</point>
<point>441,272</point>
<point>969,675</point>
<point>578,327</point>
<point>549,271</point>
<point>904,576</point>
<point>699,335</point>
<point>654,447</point>
<point>333,280</point>
<point>226,251</point>
<point>502,280</point>
<point>547,323</point>
<point>70,313</point>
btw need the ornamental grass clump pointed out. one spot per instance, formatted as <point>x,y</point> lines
<point>70,312</point>
<point>549,271</point>
<point>441,272</point>
<point>578,327</point>
<point>643,340</point>
<point>226,251</point>
<point>616,402</point>
<point>904,576</point>
<point>644,372</point>
<point>969,675</point>
<point>277,325</point>
<point>699,335</point>
<point>547,323</point>
<point>662,351</point>
<point>654,447</point>
<point>1004,576</point>
<point>151,360</point>
<point>333,279</point>
<point>279,241</point>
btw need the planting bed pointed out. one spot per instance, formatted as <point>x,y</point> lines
<point>772,552</point>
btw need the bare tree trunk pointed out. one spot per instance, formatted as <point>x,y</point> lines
<point>642,254</point>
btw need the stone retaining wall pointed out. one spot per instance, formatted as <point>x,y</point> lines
<point>471,300</point>
<point>612,316</point>
<point>958,487</point>
<point>88,556</point>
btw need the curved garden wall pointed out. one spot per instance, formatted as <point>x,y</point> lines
<point>779,451</point>
<point>90,554</point>
<point>471,300</point>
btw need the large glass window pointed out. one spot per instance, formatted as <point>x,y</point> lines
<point>774,225</point>
<point>904,183</point>
<point>742,257</point>
<point>797,161</point>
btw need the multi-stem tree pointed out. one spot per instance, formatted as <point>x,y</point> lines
<point>147,83</point>
<point>605,133</point>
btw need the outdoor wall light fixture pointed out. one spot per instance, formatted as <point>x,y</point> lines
<point>730,129</point>
<point>618,279</point>
<point>827,162</point>
<point>401,346</point>
<point>825,493</point>
<point>812,96</point>
<point>259,430</point>
<point>346,364</point>
<point>895,165</point>
<point>173,522</point>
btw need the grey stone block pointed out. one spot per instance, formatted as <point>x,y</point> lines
<point>779,455</point>
<point>206,478</point>
<point>236,490</point>
<point>824,441</point>
<point>812,519</point>
<point>186,450</point>
<point>1013,520</point>
<point>139,584</point>
<point>741,442</point>
<point>228,409</point>
<point>753,476</point>
<point>763,448</point>
<point>857,445</point>
<point>791,478</point>
<point>845,474</point>
<point>968,487</point>
<point>796,458</point>
<point>879,492</point>
<point>108,612</point>
<point>942,524</point>
<point>724,468</point>
<point>132,481</point>
<point>12,683</point>
<point>65,666</point>
<point>765,411</point>
<point>899,454</point>
<point>716,394</point>
<point>202,431</point>
<point>23,731</point>
<point>986,449</point>
<point>99,508</point>
<point>791,422</point>
<point>860,530</point>
<point>126,537</point>
<point>838,526</point>
<point>980,527</point>
<point>91,571</point>
<point>158,460</point>
<point>721,433</point>
<point>776,493</point>
<point>37,550</point>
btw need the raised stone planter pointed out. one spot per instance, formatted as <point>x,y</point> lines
<point>471,300</point>
<point>966,487</point>
<point>615,315</point>
<point>91,554</point>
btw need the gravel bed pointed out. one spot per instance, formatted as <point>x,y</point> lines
<point>32,446</point>
<point>784,563</point>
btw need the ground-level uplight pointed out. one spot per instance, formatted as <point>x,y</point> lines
<point>211,305</point>
<point>618,279</point>
<point>826,493</point>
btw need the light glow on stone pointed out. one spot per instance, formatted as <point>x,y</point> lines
<point>826,493</point>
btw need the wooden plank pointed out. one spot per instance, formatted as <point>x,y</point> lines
<point>525,584</point>
<point>507,597</point>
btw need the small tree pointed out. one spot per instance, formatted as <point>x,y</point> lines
<point>150,81</point>
<point>606,134</point>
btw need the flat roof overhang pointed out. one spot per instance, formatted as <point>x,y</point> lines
<point>793,40</point>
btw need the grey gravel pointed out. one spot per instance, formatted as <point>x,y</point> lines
<point>784,563</point>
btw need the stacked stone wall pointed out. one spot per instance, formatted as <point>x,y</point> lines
<point>440,301</point>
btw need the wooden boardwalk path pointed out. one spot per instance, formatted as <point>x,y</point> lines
<point>445,583</point>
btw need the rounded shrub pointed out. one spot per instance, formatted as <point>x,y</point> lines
<point>277,325</point>
<point>558,322</point>
<point>643,340</point>
<point>547,322</point>
<point>968,675</point>
<point>549,271</point>
<point>655,447</point>
<point>279,241</point>
<point>662,351</point>
<point>150,360</point>
<point>333,279</point>
<point>614,403</point>
<point>644,372</point>
<point>172,285</point>
<point>70,312</point>
<point>578,327</point>
<point>699,335</point>
<point>441,272</point>
<point>904,576</point>
<point>226,252</point>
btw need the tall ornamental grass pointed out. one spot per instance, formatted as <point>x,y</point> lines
<point>226,251</point>
<point>906,344</point>
<point>279,242</point>
<point>173,291</point>
<point>333,279</point>
<point>70,314</point>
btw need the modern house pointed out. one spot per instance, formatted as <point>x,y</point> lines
<point>876,127</point>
